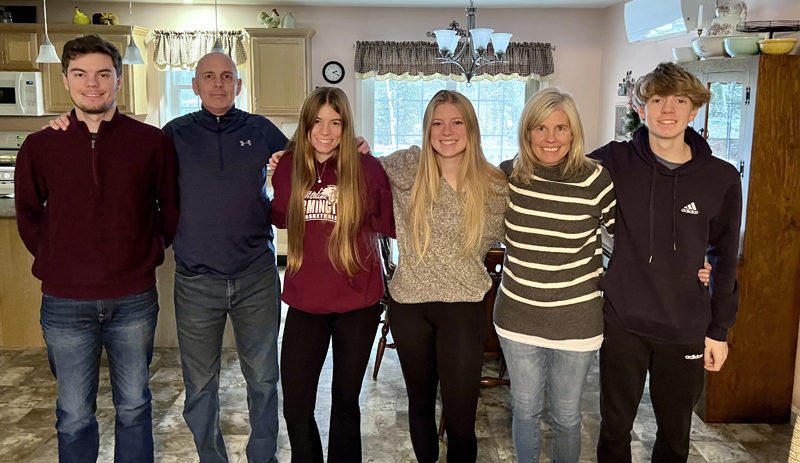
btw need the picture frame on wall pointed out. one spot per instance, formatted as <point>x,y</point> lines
<point>619,122</point>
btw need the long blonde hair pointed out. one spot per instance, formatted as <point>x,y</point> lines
<point>537,109</point>
<point>476,180</point>
<point>351,186</point>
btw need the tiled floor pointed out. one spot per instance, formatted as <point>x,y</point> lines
<point>27,400</point>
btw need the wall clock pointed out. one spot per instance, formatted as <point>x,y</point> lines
<point>333,72</point>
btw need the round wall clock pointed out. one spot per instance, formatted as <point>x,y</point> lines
<point>333,72</point>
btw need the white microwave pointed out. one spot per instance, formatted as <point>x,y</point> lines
<point>21,94</point>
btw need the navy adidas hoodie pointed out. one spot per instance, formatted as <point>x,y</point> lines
<point>667,222</point>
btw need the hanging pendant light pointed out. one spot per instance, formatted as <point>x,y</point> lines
<point>475,47</point>
<point>217,48</point>
<point>47,52</point>
<point>132,53</point>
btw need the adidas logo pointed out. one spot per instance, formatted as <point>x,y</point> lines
<point>690,209</point>
<point>693,356</point>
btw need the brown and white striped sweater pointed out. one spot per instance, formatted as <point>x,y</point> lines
<point>549,295</point>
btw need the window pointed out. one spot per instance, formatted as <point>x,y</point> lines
<point>391,112</point>
<point>178,98</point>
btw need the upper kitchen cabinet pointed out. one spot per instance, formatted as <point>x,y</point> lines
<point>753,122</point>
<point>280,63</point>
<point>132,97</point>
<point>19,45</point>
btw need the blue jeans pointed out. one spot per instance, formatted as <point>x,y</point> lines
<point>76,331</point>
<point>202,305</point>
<point>531,368</point>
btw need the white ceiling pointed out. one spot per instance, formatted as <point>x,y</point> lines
<point>405,3</point>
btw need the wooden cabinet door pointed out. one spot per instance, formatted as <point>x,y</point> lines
<point>56,97</point>
<point>279,75</point>
<point>18,51</point>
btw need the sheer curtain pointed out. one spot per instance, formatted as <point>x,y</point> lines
<point>182,50</point>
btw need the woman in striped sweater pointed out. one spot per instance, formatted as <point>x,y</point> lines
<point>549,310</point>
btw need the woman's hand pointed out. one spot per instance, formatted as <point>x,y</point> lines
<point>275,159</point>
<point>704,274</point>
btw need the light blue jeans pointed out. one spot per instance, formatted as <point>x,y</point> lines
<point>563,372</point>
<point>76,332</point>
<point>202,305</point>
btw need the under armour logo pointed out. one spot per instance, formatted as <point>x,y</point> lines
<point>245,142</point>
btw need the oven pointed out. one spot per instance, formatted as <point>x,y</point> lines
<point>9,146</point>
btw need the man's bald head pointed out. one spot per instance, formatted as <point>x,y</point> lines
<point>216,81</point>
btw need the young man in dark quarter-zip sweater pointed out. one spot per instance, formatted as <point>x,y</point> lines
<point>96,205</point>
<point>676,204</point>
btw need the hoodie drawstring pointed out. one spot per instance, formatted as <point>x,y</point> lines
<point>674,211</point>
<point>651,211</point>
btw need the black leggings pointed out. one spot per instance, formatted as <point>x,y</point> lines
<point>305,344</point>
<point>441,342</point>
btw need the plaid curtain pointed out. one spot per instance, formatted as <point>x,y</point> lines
<point>182,50</point>
<point>418,60</point>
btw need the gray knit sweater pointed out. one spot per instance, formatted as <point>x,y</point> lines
<point>444,275</point>
<point>554,255</point>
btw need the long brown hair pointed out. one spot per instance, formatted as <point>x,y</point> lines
<point>351,186</point>
<point>476,178</point>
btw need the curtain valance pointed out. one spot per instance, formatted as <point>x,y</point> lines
<point>417,60</point>
<point>182,50</point>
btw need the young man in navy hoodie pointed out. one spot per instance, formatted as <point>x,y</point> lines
<point>96,204</point>
<point>676,205</point>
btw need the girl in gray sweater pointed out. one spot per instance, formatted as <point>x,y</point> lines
<point>448,204</point>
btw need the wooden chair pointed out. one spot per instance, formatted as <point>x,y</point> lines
<point>385,244</point>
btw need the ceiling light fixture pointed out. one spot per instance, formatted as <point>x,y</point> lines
<point>475,44</point>
<point>217,48</point>
<point>132,53</point>
<point>47,52</point>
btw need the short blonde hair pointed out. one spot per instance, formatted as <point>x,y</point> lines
<point>537,109</point>
<point>670,79</point>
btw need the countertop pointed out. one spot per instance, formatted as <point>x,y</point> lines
<point>7,208</point>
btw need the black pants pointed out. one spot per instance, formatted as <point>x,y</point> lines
<point>441,342</point>
<point>676,382</point>
<point>305,344</point>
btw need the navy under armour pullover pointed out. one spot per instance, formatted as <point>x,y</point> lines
<point>667,222</point>
<point>224,229</point>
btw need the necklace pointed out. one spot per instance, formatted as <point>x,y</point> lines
<point>320,176</point>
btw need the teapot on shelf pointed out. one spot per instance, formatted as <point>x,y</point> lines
<point>728,16</point>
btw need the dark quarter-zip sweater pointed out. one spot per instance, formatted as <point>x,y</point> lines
<point>97,213</point>
<point>225,229</point>
<point>667,222</point>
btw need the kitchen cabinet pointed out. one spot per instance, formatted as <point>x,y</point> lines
<point>279,70</point>
<point>20,291</point>
<point>18,49</point>
<point>752,122</point>
<point>132,96</point>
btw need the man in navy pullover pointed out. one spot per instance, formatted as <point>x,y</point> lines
<point>676,204</point>
<point>225,260</point>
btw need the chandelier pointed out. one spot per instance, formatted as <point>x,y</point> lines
<point>475,44</point>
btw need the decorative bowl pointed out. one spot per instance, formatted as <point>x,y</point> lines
<point>710,46</point>
<point>741,46</point>
<point>776,46</point>
<point>684,54</point>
